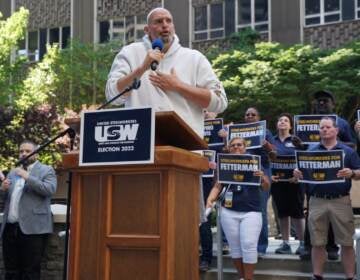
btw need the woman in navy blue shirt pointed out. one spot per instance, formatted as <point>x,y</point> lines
<point>241,217</point>
<point>287,195</point>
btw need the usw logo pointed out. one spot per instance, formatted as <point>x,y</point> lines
<point>111,133</point>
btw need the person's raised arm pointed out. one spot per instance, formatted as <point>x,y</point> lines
<point>122,74</point>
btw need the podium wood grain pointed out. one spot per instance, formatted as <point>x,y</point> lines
<point>137,222</point>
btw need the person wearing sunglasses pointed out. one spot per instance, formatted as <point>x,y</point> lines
<point>241,219</point>
<point>266,152</point>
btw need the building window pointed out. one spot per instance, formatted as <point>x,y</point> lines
<point>34,44</point>
<point>252,13</point>
<point>125,29</point>
<point>209,22</point>
<point>322,11</point>
<point>357,9</point>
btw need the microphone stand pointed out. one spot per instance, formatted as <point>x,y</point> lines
<point>71,132</point>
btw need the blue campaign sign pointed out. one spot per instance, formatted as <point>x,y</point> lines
<point>307,128</point>
<point>282,167</point>
<point>320,167</point>
<point>211,129</point>
<point>117,136</point>
<point>238,169</point>
<point>253,133</point>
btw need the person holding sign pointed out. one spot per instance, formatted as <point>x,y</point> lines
<point>330,204</point>
<point>266,152</point>
<point>241,217</point>
<point>286,192</point>
<point>183,82</point>
<point>323,103</point>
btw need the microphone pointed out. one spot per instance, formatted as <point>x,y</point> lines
<point>72,134</point>
<point>136,83</point>
<point>25,165</point>
<point>157,44</point>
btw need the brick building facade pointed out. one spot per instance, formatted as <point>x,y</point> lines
<point>199,23</point>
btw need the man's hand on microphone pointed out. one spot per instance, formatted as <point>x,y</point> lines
<point>152,55</point>
<point>166,82</point>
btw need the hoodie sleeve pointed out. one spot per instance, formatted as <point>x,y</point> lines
<point>120,68</point>
<point>208,79</point>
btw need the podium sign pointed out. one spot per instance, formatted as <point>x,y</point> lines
<point>117,136</point>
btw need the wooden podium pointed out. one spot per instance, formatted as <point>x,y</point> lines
<point>139,222</point>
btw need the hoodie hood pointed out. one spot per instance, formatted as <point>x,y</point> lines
<point>175,45</point>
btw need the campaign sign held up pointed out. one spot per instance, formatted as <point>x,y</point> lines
<point>320,167</point>
<point>117,136</point>
<point>238,169</point>
<point>253,133</point>
<point>210,155</point>
<point>211,129</point>
<point>283,167</point>
<point>307,127</point>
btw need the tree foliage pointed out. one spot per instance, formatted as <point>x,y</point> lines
<point>26,115</point>
<point>12,30</point>
<point>81,74</point>
<point>277,79</point>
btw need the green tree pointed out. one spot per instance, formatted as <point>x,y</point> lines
<point>276,79</point>
<point>81,73</point>
<point>12,30</point>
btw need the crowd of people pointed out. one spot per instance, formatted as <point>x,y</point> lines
<point>182,80</point>
<point>175,78</point>
<point>327,208</point>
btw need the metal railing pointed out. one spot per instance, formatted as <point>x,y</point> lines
<point>356,237</point>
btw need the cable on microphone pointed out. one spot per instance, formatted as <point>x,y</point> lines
<point>157,44</point>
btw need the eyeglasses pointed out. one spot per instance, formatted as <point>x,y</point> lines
<point>236,145</point>
<point>250,114</point>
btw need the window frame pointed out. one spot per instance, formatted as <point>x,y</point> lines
<point>323,14</point>
<point>253,24</point>
<point>36,54</point>
<point>137,27</point>
<point>208,29</point>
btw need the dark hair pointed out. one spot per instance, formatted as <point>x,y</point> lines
<point>290,117</point>
<point>29,142</point>
<point>254,108</point>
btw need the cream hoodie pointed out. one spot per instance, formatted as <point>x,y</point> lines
<point>190,66</point>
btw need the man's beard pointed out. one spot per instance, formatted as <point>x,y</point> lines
<point>167,39</point>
